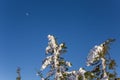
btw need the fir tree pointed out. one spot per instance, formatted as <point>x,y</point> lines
<point>99,57</point>
<point>18,72</point>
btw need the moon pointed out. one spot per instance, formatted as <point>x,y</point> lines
<point>27,14</point>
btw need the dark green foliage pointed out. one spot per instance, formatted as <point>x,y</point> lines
<point>89,75</point>
<point>112,64</point>
<point>80,77</point>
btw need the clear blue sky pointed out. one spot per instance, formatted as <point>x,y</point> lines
<point>25,24</point>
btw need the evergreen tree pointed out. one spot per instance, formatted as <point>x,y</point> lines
<point>104,65</point>
<point>58,65</point>
<point>99,58</point>
<point>18,72</point>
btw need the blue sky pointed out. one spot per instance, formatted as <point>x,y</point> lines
<point>25,24</point>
